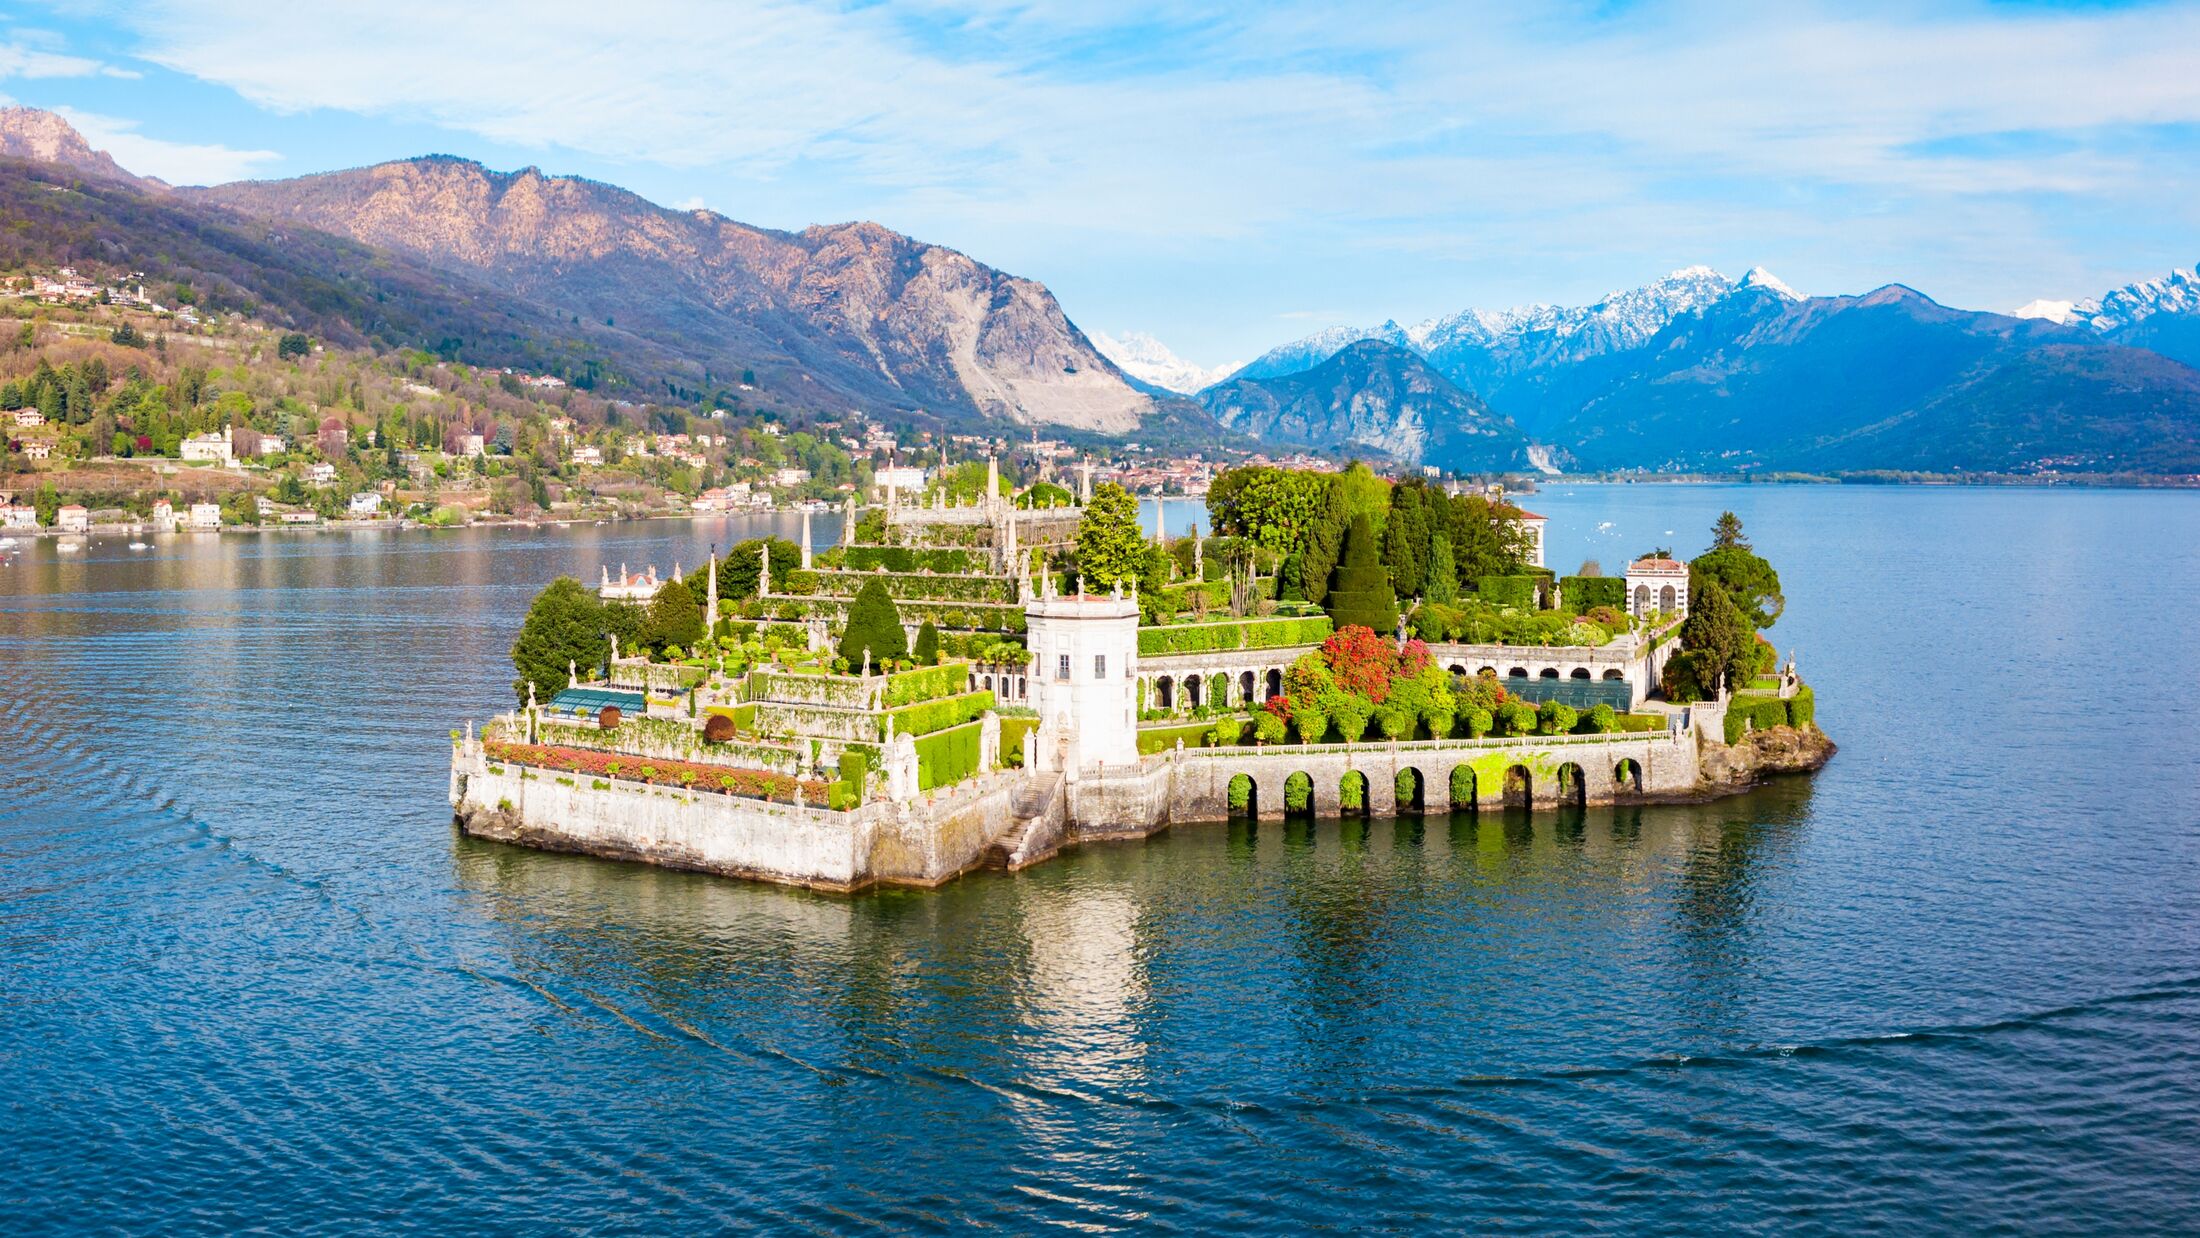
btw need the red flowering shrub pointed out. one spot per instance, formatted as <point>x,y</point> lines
<point>1362,662</point>
<point>1280,706</point>
<point>749,783</point>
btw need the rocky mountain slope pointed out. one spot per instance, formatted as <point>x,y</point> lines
<point>866,315</point>
<point>34,134</point>
<point>1372,396</point>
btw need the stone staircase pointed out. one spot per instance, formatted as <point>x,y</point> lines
<point>1035,827</point>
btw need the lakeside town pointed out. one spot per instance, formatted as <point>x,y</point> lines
<point>126,410</point>
<point>982,682</point>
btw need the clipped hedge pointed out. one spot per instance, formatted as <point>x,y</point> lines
<point>928,716</point>
<point>927,684</point>
<point>912,587</point>
<point>1234,634</point>
<point>1754,712</point>
<point>912,559</point>
<point>1584,592</point>
<point>838,691</point>
<point>1015,733</point>
<point>1803,708</point>
<point>1162,739</point>
<point>948,757</point>
<point>1514,591</point>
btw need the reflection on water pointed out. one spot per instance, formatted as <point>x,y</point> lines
<point>253,979</point>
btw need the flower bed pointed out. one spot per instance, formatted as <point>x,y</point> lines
<point>720,779</point>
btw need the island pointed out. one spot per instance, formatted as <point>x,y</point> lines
<point>979,681</point>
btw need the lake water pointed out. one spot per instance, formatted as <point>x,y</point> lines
<point>250,978</point>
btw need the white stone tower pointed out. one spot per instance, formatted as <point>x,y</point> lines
<point>1084,680</point>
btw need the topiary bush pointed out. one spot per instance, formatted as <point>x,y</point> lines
<point>1360,590</point>
<point>1556,718</point>
<point>927,650</point>
<point>874,626</point>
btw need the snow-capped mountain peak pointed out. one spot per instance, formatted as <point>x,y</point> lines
<point>2175,293</point>
<point>1758,277</point>
<point>1149,360</point>
<point>2052,311</point>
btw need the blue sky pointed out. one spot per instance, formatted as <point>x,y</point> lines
<point>1227,177</point>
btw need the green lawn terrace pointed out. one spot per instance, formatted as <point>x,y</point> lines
<point>966,568</point>
<point>786,729</point>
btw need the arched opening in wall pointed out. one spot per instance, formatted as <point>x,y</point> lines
<point>1549,672</point>
<point>1298,795</point>
<point>1457,669</point>
<point>1573,789</point>
<point>1580,672</point>
<point>1352,794</point>
<point>1462,787</point>
<point>1642,599</point>
<point>987,683</point>
<point>1408,787</point>
<point>1164,693</point>
<point>1627,775</point>
<point>1246,687</point>
<point>1275,683</point>
<point>1244,796</point>
<point>1518,672</point>
<point>1191,691</point>
<point>1666,600</point>
<point>1022,692</point>
<point>1615,674</point>
<point>1519,787</point>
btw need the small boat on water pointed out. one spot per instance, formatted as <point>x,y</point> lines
<point>8,543</point>
<point>69,548</point>
<point>139,546</point>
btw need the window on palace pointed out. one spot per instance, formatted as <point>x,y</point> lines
<point>1061,669</point>
<point>1099,666</point>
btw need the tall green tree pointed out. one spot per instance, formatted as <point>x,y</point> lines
<point>1746,578</point>
<point>1359,591</point>
<point>1406,538</point>
<point>1718,636</point>
<point>1487,538</point>
<point>1109,546</point>
<point>1324,543</point>
<point>1726,533</point>
<point>874,627</point>
<point>927,649</point>
<point>674,618</point>
<point>1441,584</point>
<point>563,628</point>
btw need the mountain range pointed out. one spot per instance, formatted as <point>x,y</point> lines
<point>1694,371</point>
<point>829,317</point>
<point>1699,372</point>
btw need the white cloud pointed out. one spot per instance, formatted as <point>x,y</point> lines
<point>178,163</point>
<point>1836,140</point>
<point>689,204</point>
<point>19,60</point>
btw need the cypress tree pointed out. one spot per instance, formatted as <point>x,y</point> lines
<point>1324,540</point>
<point>874,625</point>
<point>1405,540</point>
<point>927,650</point>
<point>1360,590</point>
<point>1442,584</point>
